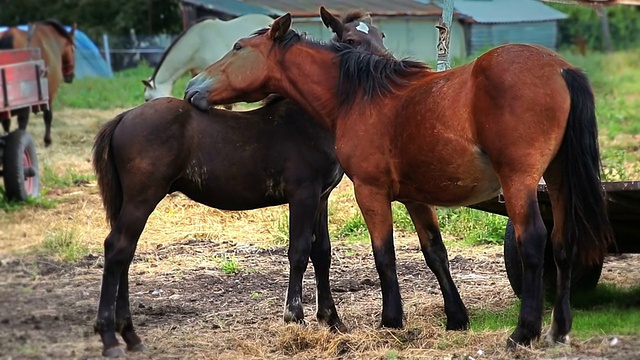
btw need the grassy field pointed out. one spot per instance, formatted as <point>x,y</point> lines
<point>57,239</point>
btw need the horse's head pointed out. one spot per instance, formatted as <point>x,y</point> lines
<point>356,29</point>
<point>153,90</point>
<point>242,73</point>
<point>69,56</point>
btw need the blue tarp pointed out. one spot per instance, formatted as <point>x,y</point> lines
<point>89,62</point>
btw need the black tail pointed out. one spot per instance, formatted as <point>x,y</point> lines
<point>106,170</point>
<point>586,219</point>
<point>6,42</point>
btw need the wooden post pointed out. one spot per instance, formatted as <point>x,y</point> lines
<point>444,36</point>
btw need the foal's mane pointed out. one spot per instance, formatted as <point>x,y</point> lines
<point>354,15</point>
<point>362,73</point>
<point>59,28</point>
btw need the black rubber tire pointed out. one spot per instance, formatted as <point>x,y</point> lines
<point>19,153</point>
<point>583,279</point>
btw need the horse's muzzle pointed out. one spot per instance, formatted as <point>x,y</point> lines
<point>68,79</point>
<point>197,98</point>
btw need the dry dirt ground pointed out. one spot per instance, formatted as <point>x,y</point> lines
<point>185,306</point>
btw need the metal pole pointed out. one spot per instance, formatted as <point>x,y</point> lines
<point>444,35</point>
<point>107,53</point>
<point>606,33</point>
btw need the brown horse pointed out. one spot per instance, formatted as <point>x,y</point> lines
<point>57,48</point>
<point>406,133</point>
<point>228,160</point>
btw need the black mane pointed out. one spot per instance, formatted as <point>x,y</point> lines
<point>59,28</point>
<point>362,73</point>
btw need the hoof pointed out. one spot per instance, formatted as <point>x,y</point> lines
<point>458,324</point>
<point>137,348</point>
<point>392,323</point>
<point>339,328</point>
<point>557,339</point>
<point>114,352</point>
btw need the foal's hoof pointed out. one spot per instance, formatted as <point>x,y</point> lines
<point>554,339</point>
<point>137,348</point>
<point>339,327</point>
<point>114,352</point>
<point>520,338</point>
<point>459,324</point>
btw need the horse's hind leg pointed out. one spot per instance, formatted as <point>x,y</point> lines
<point>521,200</point>
<point>563,254</point>
<point>23,118</point>
<point>119,247</point>
<point>321,258</point>
<point>6,124</point>
<point>302,209</point>
<point>425,219</point>
<point>124,323</point>
<point>48,116</point>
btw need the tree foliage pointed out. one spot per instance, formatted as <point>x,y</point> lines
<point>96,17</point>
<point>584,22</point>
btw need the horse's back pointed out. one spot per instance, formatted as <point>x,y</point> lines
<point>224,159</point>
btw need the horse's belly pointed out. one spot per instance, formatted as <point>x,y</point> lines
<point>459,179</point>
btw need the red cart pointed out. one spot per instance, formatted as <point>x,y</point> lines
<point>23,87</point>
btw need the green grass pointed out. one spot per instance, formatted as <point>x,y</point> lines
<point>64,245</point>
<point>473,227</point>
<point>607,310</point>
<point>52,179</point>
<point>13,206</point>
<point>281,233</point>
<point>354,229</point>
<point>124,90</point>
<point>230,266</point>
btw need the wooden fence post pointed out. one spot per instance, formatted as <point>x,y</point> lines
<point>444,36</point>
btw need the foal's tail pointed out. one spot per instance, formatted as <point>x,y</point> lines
<point>106,170</point>
<point>586,220</point>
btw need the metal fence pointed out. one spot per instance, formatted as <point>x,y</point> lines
<point>124,52</point>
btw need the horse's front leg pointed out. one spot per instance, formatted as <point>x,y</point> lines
<point>375,204</point>
<point>321,258</point>
<point>302,208</point>
<point>48,117</point>
<point>425,219</point>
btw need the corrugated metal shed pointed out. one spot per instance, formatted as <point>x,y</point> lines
<point>230,7</point>
<point>310,8</point>
<point>507,11</point>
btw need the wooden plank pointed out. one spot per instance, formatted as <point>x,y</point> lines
<point>20,85</point>
<point>17,56</point>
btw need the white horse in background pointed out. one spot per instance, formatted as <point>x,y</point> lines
<point>203,43</point>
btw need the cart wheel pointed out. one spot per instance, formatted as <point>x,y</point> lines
<point>583,278</point>
<point>20,167</point>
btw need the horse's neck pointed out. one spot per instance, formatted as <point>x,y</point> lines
<point>196,49</point>
<point>311,83</point>
<point>51,50</point>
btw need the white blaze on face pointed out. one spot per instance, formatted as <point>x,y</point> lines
<point>362,27</point>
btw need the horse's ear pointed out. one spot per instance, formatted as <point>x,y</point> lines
<point>147,83</point>
<point>280,26</point>
<point>332,22</point>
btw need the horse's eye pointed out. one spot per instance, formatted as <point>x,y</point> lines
<point>350,41</point>
<point>237,47</point>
